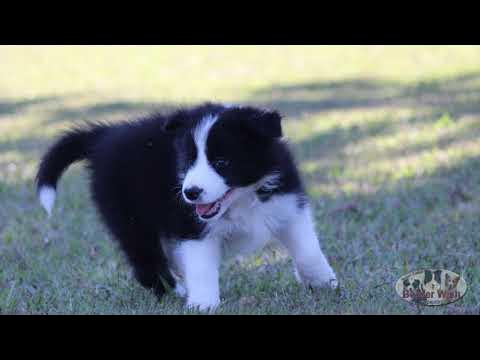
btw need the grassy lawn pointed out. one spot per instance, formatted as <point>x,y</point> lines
<point>387,138</point>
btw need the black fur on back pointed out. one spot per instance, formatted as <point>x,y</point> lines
<point>135,167</point>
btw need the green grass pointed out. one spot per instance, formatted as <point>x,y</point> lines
<point>387,139</point>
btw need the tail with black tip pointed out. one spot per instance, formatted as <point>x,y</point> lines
<point>71,147</point>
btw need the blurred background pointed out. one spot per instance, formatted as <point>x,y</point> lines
<point>387,138</point>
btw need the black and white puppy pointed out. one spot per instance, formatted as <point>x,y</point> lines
<point>180,191</point>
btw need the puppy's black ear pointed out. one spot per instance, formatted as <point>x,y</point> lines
<point>266,123</point>
<point>174,123</point>
<point>269,124</point>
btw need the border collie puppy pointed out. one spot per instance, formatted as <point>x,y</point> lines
<point>180,191</point>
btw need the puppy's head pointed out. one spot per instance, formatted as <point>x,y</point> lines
<point>223,152</point>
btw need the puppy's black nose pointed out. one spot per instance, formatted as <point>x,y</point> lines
<point>192,193</point>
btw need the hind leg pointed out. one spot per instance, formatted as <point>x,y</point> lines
<point>142,247</point>
<point>147,258</point>
<point>134,229</point>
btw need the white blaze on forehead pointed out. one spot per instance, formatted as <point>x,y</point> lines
<point>201,174</point>
<point>200,133</point>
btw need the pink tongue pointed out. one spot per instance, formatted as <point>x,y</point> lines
<point>202,209</point>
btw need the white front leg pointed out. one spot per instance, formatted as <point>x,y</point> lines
<point>199,261</point>
<point>301,241</point>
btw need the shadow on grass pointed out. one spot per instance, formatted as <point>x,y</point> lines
<point>333,141</point>
<point>121,110</point>
<point>458,95</point>
<point>455,96</point>
<point>10,107</point>
<point>110,111</point>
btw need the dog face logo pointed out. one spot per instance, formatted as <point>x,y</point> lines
<point>451,282</point>
<point>431,287</point>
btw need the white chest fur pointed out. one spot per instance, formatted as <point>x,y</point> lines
<point>250,224</point>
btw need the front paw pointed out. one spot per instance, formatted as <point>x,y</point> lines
<point>319,279</point>
<point>203,304</point>
<point>180,290</point>
<point>333,283</point>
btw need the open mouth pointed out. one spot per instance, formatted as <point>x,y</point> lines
<point>208,211</point>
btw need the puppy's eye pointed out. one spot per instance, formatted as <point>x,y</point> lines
<point>221,163</point>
